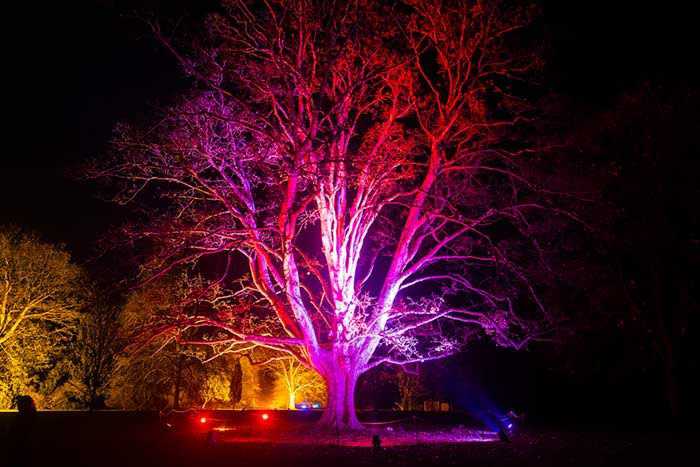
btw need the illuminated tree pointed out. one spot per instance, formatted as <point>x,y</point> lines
<point>359,172</point>
<point>155,372</point>
<point>216,388</point>
<point>40,296</point>
<point>298,382</point>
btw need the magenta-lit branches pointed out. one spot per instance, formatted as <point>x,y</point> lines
<point>363,160</point>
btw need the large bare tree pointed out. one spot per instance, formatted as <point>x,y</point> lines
<point>365,161</point>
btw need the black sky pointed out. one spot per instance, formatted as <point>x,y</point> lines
<point>79,69</point>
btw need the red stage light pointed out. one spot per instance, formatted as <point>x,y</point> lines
<point>203,420</point>
<point>265,416</point>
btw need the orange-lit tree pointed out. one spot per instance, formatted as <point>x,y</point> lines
<point>299,383</point>
<point>156,372</point>
<point>365,163</point>
<point>41,293</point>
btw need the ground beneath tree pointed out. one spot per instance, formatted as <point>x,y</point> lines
<point>116,440</point>
<point>388,437</point>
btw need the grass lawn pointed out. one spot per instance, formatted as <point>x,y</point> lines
<point>121,439</point>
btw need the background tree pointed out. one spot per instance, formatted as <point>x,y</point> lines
<point>299,384</point>
<point>273,379</point>
<point>638,302</point>
<point>661,294</point>
<point>361,174</point>
<point>410,385</point>
<point>92,356</point>
<point>216,390</point>
<point>154,373</point>
<point>41,294</point>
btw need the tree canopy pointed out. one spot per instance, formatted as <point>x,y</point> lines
<point>41,294</point>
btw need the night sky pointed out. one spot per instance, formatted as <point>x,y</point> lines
<point>85,67</point>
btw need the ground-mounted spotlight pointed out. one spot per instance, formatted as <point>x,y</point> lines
<point>202,420</point>
<point>265,417</point>
<point>503,436</point>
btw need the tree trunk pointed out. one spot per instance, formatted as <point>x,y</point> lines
<point>236,387</point>
<point>406,402</point>
<point>178,382</point>
<point>292,404</point>
<point>339,414</point>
